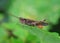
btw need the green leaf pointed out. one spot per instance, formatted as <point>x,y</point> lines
<point>35,10</point>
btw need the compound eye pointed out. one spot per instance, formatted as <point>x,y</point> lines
<point>44,24</point>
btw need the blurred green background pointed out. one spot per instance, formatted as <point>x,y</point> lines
<point>35,10</point>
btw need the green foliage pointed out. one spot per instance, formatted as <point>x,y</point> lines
<point>36,10</point>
